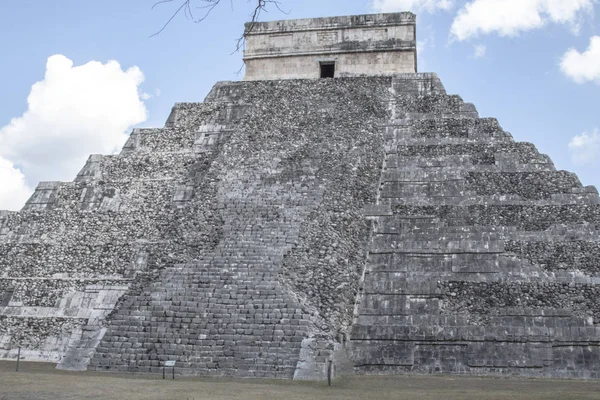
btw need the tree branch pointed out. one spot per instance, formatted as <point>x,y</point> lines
<point>181,7</point>
<point>210,5</point>
<point>260,7</point>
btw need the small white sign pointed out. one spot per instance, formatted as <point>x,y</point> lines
<point>169,363</point>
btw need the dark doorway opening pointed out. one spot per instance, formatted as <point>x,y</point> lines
<point>327,69</point>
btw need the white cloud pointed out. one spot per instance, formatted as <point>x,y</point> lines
<point>411,5</point>
<point>14,192</point>
<point>585,148</point>
<point>583,67</point>
<point>479,51</point>
<point>73,112</point>
<point>511,17</point>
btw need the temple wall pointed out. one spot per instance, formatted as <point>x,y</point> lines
<point>347,65</point>
<point>328,40</point>
<point>380,44</point>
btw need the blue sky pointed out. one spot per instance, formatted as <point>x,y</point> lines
<point>533,64</point>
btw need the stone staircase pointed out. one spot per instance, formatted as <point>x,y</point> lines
<point>251,305</point>
<point>226,313</point>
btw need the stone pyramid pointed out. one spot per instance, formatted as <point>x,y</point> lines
<point>369,223</point>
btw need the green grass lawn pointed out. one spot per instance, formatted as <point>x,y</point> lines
<point>37,381</point>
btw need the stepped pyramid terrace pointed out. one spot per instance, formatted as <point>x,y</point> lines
<point>336,207</point>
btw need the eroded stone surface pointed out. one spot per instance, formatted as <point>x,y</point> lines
<point>283,224</point>
<point>486,263</point>
<point>357,45</point>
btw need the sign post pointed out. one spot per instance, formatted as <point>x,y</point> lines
<point>169,364</point>
<point>18,357</point>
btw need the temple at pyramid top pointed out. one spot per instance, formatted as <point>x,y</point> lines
<point>357,45</point>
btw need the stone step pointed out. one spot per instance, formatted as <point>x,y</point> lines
<point>457,127</point>
<point>431,244</point>
<point>455,168</point>
<point>86,261</point>
<point>479,153</point>
<point>139,166</point>
<point>409,266</point>
<point>213,111</point>
<point>523,217</point>
<point>517,331</point>
<point>469,199</point>
<point>438,105</point>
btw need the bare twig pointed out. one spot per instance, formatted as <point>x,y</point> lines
<point>181,7</point>
<point>209,6</point>
<point>260,7</point>
<point>161,2</point>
